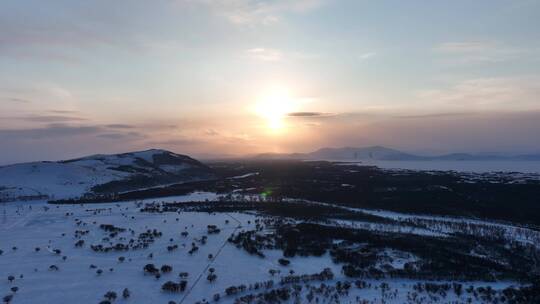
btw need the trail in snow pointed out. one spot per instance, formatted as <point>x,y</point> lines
<point>188,292</point>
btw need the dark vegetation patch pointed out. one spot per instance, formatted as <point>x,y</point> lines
<point>438,193</point>
<point>172,190</point>
<point>438,258</point>
<point>144,181</point>
<point>292,209</point>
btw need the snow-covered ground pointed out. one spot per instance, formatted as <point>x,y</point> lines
<point>25,226</point>
<point>244,175</point>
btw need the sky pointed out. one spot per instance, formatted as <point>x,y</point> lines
<point>238,77</point>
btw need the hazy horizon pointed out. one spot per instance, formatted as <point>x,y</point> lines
<point>216,156</point>
<point>241,77</point>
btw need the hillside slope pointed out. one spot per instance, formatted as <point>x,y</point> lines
<point>98,174</point>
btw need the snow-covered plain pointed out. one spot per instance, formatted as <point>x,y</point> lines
<point>25,226</point>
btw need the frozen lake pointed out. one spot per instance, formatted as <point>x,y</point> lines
<point>461,166</point>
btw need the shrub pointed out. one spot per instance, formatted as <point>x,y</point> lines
<point>110,295</point>
<point>284,262</point>
<point>166,268</point>
<point>150,268</point>
<point>8,298</point>
<point>171,286</point>
<point>125,293</point>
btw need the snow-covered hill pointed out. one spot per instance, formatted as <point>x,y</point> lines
<point>98,173</point>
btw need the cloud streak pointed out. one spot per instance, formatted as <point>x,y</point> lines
<point>50,131</point>
<point>366,56</point>
<point>435,115</point>
<point>254,12</point>
<point>511,93</point>
<point>122,136</point>
<point>263,54</point>
<point>466,47</point>
<point>50,118</point>
<point>17,100</point>
<point>469,52</point>
<point>309,114</point>
<point>120,126</point>
<point>61,130</point>
<point>176,142</point>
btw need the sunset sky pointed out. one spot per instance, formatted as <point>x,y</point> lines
<point>235,77</point>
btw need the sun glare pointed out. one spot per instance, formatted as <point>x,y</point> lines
<point>274,108</point>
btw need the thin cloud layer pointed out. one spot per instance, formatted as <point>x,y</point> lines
<point>265,54</point>
<point>254,12</point>
<point>519,93</point>
<point>309,114</point>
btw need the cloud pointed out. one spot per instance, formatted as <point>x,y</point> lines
<point>50,131</point>
<point>309,114</point>
<point>265,54</point>
<point>46,33</point>
<point>211,132</point>
<point>124,136</point>
<point>50,118</point>
<point>40,91</point>
<point>253,12</point>
<point>435,115</point>
<point>176,142</point>
<point>343,117</point>
<point>63,111</point>
<point>62,30</point>
<point>366,56</point>
<point>275,55</point>
<point>470,52</point>
<point>17,100</point>
<point>119,126</point>
<point>465,47</point>
<point>62,130</point>
<point>512,93</point>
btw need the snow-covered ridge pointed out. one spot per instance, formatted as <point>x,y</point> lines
<point>73,178</point>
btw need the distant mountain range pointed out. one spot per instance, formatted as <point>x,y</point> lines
<point>98,174</point>
<point>387,154</point>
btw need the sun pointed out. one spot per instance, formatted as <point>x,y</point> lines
<point>274,108</point>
